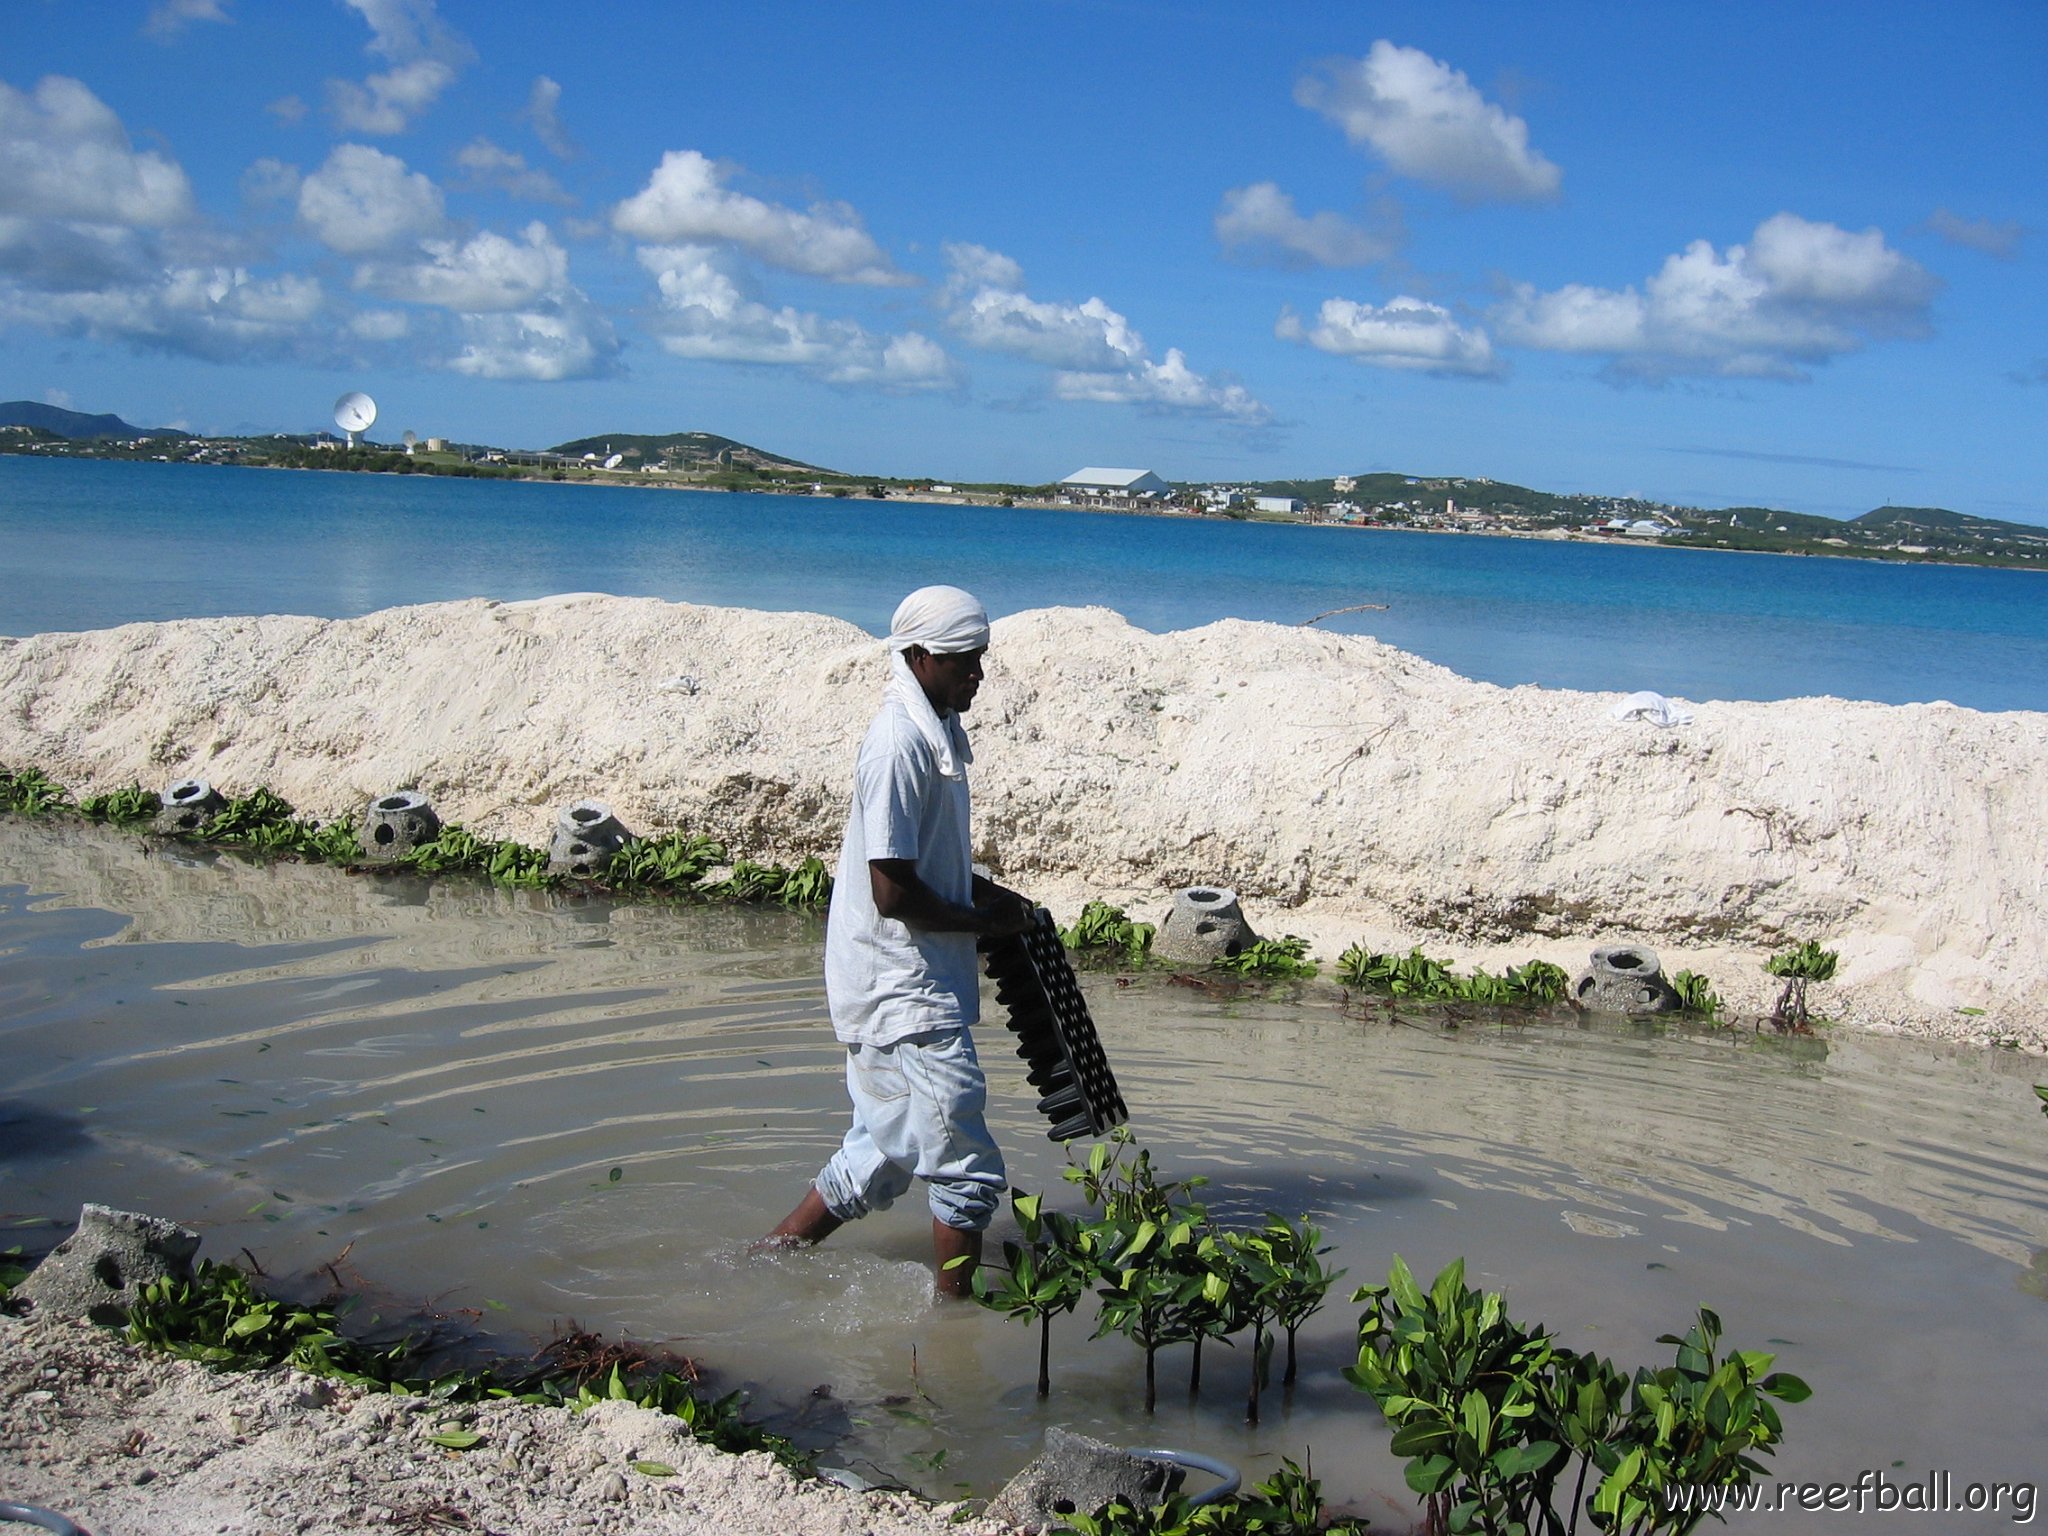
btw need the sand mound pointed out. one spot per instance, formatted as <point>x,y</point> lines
<point>1347,790</point>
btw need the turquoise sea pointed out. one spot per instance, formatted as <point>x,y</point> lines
<point>85,545</point>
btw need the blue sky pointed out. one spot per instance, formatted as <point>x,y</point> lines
<point>1716,255</point>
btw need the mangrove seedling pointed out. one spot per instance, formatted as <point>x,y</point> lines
<point>1129,1191</point>
<point>1696,994</point>
<point>1046,1274</point>
<point>1533,984</point>
<point>1146,1271</point>
<point>1297,1253</point>
<point>1491,1414</point>
<point>1797,967</point>
<point>675,859</point>
<point>123,807</point>
<point>1104,927</point>
<point>1258,1284</point>
<point>1270,957</point>
<point>31,792</point>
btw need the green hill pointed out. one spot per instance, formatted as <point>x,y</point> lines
<point>1937,527</point>
<point>73,424</point>
<point>683,450</point>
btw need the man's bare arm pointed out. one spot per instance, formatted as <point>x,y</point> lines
<point>901,893</point>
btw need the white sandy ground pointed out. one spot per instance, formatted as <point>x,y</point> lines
<point>1347,790</point>
<point>128,1443</point>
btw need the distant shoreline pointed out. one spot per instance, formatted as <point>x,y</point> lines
<point>997,502</point>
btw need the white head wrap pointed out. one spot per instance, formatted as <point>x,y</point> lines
<point>944,621</point>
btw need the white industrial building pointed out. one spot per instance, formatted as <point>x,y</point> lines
<point>1116,482</point>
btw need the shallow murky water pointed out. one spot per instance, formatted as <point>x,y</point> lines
<point>441,1079</point>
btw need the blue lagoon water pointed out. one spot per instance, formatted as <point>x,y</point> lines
<point>85,545</point>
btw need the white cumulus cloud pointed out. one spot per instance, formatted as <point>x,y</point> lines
<point>65,155</point>
<point>1098,352</point>
<point>1798,294</point>
<point>485,164</point>
<point>1260,223</point>
<point>706,312</point>
<point>1411,335</point>
<point>425,56</point>
<point>485,273</point>
<point>221,313</point>
<point>379,324</point>
<point>685,201</point>
<point>1428,122</point>
<point>566,338</point>
<point>363,200</point>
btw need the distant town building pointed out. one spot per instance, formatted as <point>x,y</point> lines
<point>1116,482</point>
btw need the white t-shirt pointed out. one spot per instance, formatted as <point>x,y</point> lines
<point>884,980</point>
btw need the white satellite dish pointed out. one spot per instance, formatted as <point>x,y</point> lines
<point>411,440</point>
<point>615,461</point>
<point>353,413</point>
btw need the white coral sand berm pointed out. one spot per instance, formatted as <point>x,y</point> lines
<point>1347,790</point>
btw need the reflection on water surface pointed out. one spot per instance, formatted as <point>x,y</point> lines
<point>446,1077</point>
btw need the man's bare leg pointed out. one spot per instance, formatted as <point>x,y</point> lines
<point>949,1243</point>
<point>809,1223</point>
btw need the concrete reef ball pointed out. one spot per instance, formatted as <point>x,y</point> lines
<point>1205,923</point>
<point>97,1272</point>
<point>1623,978</point>
<point>188,805</point>
<point>587,834</point>
<point>395,824</point>
<point>1077,1474</point>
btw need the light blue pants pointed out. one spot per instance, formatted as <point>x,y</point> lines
<point>918,1113</point>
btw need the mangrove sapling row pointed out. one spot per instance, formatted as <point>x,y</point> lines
<point>218,1318</point>
<point>1162,1272</point>
<point>1534,984</point>
<point>1503,1428</point>
<point>264,823</point>
<point>1280,957</point>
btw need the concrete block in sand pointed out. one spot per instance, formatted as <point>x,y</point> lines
<point>1624,978</point>
<point>587,834</point>
<point>395,824</point>
<point>188,805</point>
<point>99,1270</point>
<point>1205,924</point>
<point>1078,1475</point>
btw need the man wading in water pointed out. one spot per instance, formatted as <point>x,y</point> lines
<point>900,973</point>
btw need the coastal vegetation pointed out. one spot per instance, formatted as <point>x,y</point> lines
<point>219,1318</point>
<point>1534,984</point>
<point>1503,1430</point>
<point>686,864</point>
<point>678,863</point>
